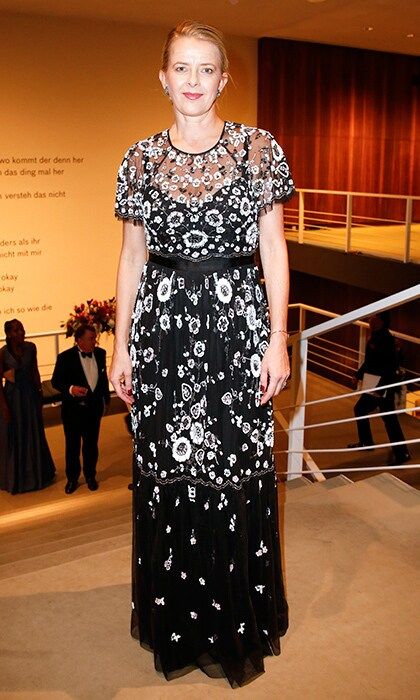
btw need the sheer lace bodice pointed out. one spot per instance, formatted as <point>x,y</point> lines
<point>204,204</point>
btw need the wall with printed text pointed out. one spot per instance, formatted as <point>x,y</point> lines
<point>75,94</point>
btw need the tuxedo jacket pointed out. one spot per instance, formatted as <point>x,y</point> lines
<point>69,372</point>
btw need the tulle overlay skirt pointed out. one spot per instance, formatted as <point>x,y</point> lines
<point>207,580</point>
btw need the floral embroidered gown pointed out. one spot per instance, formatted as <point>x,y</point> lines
<point>207,580</point>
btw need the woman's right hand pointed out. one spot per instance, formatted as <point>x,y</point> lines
<point>120,375</point>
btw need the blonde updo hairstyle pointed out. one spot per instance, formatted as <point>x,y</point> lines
<point>196,30</point>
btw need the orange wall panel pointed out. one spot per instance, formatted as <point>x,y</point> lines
<point>78,89</point>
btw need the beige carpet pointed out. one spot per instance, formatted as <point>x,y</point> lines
<point>351,559</point>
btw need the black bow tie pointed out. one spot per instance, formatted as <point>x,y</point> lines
<point>85,354</point>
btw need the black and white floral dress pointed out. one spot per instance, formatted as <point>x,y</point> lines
<point>207,580</point>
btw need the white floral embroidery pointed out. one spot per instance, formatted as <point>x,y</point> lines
<point>199,348</point>
<point>197,433</point>
<point>251,317</point>
<point>224,290</point>
<point>255,365</point>
<point>181,449</point>
<point>262,550</point>
<point>223,501</point>
<point>164,289</point>
<point>168,562</point>
<point>165,322</point>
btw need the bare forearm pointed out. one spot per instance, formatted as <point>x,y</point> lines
<point>129,271</point>
<point>275,368</point>
<point>276,274</point>
<point>132,259</point>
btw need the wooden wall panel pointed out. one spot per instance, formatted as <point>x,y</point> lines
<point>346,118</point>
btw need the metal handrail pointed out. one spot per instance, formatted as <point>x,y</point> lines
<point>338,345</point>
<point>360,194</point>
<point>357,321</point>
<point>300,216</point>
<point>358,392</point>
<point>375,307</point>
<point>331,352</point>
<point>353,419</point>
<point>299,343</point>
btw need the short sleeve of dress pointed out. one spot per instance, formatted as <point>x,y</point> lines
<point>271,176</point>
<point>128,196</point>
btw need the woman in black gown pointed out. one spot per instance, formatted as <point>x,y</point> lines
<point>26,462</point>
<point>204,360</point>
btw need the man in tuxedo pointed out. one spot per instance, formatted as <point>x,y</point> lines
<point>80,377</point>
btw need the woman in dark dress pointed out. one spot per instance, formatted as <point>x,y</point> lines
<point>26,462</point>
<point>199,358</point>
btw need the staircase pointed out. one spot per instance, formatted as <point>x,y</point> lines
<point>349,549</point>
<point>50,540</point>
<point>88,529</point>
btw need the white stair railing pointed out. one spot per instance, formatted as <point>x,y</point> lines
<point>303,221</point>
<point>299,343</point>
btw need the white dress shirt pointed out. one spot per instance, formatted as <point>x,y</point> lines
<point>90,369</point>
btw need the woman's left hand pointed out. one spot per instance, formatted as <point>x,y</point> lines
<point>275,368</point>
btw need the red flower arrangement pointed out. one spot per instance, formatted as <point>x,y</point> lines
<point>100,314</point>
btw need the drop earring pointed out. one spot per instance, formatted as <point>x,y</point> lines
<point>166,91</point>
<point>218,93</point>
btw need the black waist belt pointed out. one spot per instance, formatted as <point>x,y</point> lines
<point>209,265</point>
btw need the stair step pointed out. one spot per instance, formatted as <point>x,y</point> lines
<point>334,482</point>
<point>63,529</point>
<point>395,488</point>
<point>298,494</point>
<point>55,545</point>
<point>72,507</point>
<point>384,497</point>
<point>45,561</point>
<point>300,482</point>
<point>294,489</point>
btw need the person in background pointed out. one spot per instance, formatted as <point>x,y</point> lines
<point>26,462</point>
<point>81,378</point>
<point>382,364</point>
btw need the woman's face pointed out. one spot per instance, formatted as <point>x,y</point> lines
<point>16,333</point>
<point>193,76</point>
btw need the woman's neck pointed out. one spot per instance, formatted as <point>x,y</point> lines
<point>196,134</point>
